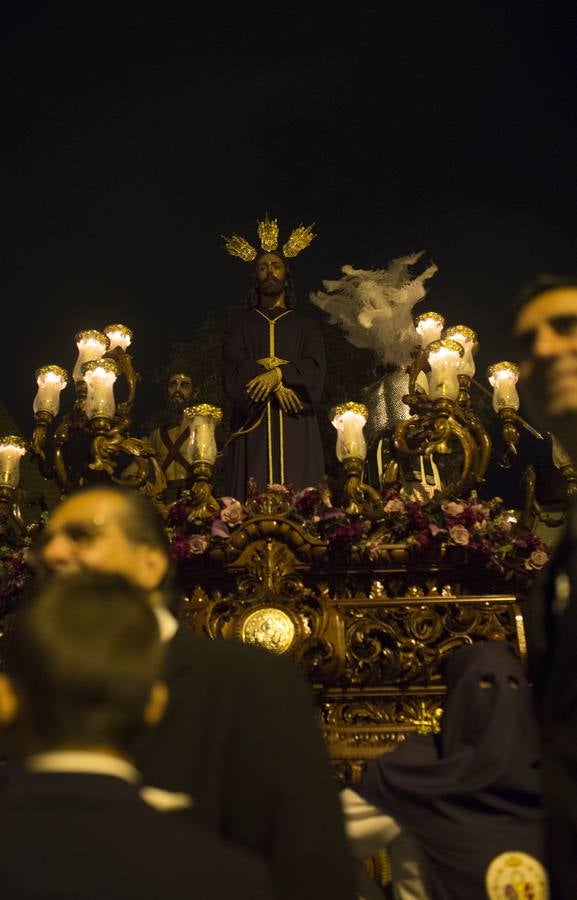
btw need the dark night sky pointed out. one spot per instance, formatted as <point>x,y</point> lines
<point>132,141</point>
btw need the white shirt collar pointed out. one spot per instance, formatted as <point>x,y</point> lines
<point>167,624</point>
<point>85,761</point>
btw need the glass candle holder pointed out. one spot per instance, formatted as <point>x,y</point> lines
<point>202,419</point>
<point>429,326</point>
<point>99,375</point>
<point>91,345</point>
<point>118,335</point>
<point>51,381</point>
<point>467,338</point>
<point>349,419</point>
<point>503,378</point>
<point>444,357</point>
<point>12,449</point>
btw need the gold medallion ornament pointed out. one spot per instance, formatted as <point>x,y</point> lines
<point>271,628</point>
<point>268,232</point>
<point>515,874</point>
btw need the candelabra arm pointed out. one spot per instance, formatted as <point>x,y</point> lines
<point>419,364</point>
<point>202,503</point>
<point>569,473</point>
<point>464,398</point>
<point>482,444</point>
<point>108,442</point>
<point>357,493</point>
<point>523,422</point>
<point>532,509</point>
<point>5,510</point>
<point>123,360</point>
<point>442,420</point>
<point>510,433</point>
<point>12,524</point>
<point>40,433</point>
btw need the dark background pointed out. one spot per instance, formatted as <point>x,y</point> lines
<point>133,140</point>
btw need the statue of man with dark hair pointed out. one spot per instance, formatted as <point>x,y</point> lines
<point>170,438</point>
<point>274,368</point>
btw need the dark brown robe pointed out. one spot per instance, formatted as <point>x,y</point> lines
<point>278,448</point>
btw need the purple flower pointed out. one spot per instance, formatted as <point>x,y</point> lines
<point>420,541</point>
<point>219,529</point>
<point>332,512</point>
<point>341,535</point>
<point>307,500</point>
<point>176,514</point>
<point>179,547</point>
<point>251,488</point>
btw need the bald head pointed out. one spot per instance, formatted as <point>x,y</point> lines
<point>106,529</point>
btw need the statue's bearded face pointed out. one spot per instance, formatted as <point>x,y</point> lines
<point>179,392</point>
<point>270,275</point>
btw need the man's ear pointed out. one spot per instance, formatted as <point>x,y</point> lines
<point>156,704</point>
<point>9,703</point>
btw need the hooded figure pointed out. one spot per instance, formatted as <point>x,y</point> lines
<point>470,797</point>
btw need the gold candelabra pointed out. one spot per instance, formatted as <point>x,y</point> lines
<point>92,441</point>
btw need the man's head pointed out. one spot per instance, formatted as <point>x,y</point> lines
<point>179,391</point>
<point>83,660</point>
<point>545,334</point>
<point>108,529</point>
<point>272,282</point>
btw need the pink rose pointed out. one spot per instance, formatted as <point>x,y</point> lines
<point>459,535</point>
<point>394,506</point>
<point>452,507</point>
<point>373,549</point>
<point>537,560</point>
<point>219,529</point>
<point>232,512</point>
<point>278,488</point>
<point>435,530</point>
<point>197,544</point>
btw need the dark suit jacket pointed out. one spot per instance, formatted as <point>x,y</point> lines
<point>240,735</point>
<point>90,837</point>
<point>551,623</point>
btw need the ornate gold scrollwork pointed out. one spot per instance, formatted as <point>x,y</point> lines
<point>434,423</point>
<point>202,503</point>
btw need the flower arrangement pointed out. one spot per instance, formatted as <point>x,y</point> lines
<point>470,530</point>
<point>15,573</point>
<point>474,528</point>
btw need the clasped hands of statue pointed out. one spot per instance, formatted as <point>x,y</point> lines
<point>270,381</point>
